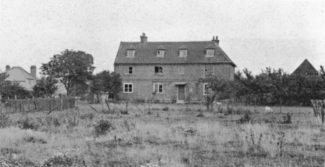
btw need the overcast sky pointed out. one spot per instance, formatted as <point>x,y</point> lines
<point>254,33</point>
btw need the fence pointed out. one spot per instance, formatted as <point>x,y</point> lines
<point>319,109</point>
<point>39,104</point>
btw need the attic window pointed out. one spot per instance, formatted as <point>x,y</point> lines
<point>130,53</point>
<point>183,53</point>
<point>160,53</point>
<point>209,53</point>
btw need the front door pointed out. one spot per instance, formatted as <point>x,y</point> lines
<point>180,93</point>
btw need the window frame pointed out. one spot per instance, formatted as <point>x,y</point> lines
<point>158,85</point>
<point>128,90</point>
<point>159,55</point>
<point>159,73</point>
<point>207,51</point>
<point>205,89</point>
<point>130,51</point>
<point>131,68</point>
<point>180,51</point>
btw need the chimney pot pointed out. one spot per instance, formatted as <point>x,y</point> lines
<point>217,40</point>
<point>143,38</point>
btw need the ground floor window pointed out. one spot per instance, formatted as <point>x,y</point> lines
<point>158,87</point>
<point>205,89</point>
<point>128,88</point>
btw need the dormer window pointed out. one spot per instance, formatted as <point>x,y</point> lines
<point>209,53</point>
<point>130,53</point>
<point>161,53</point>
<point>183,53</point>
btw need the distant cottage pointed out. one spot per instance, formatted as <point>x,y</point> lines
<point>22,77</point>
<point>305,68</point>
<point>170,71</point>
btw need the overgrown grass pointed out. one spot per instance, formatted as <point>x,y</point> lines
<point>177,137</point>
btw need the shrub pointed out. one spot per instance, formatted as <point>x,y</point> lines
<point>4,120</point>
<point>102,127</point>
<point>62,161</point>
<point>28,123</point>
<point>245,118</point>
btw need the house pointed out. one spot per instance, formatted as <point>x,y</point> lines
<point>170,71</point>
<point>18,75</point>
<point>305,68</point>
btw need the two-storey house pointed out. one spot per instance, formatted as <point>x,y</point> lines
<point>170,71</point>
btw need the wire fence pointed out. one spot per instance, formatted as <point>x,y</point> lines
<point>39,104</point>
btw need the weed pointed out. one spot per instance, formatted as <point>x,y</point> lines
<point>28,123</point>
<point>32,139</point>
<point>245,118</point>
<point>4,120</point>
<point>165,108</point>
<point>62,161</point>
<point>102,127</point>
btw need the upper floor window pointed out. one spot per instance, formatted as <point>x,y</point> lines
<point>158,88</point>
<point>130,70</point>
<point>209,53</point>
<point>128,88</point>
<point>161,53</point>
<point>183,53</point>
<point>130,53</point>
<point>158,70</point>
<point>208,70</point>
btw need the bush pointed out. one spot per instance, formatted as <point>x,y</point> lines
<point>102,127</point>
<point>28,123</point>
<point>165,108</point>
<point>62,161</point>
<point>245,118</point>
<point>4,120</point>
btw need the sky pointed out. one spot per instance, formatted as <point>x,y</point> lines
<point>254,33</point>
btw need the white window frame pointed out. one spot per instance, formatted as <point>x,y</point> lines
<point>205,89</point>
<point>161,53</point>
<point>157,85</point>
<point>183,53</point>
<point>127,91</point>
<point>130,53</point>
<point>210,52</point>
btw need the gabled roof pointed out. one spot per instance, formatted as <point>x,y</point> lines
<point>305,68</point>
<point>19,76</point>
<point>146,53</point>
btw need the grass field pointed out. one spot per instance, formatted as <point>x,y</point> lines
<point>166,135</point>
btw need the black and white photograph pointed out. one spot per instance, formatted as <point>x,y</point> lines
<point>162,83</point>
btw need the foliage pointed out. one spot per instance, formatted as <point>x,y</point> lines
<point>11,90</point>
<point>218,88</point>
<point>275,87</point>
<point>72,68</point>
<point>4,120</point>
<point>45,87</point>
<point>102,127</point>
<point>106,81</point>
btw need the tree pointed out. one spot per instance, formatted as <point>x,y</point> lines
<point>218,88</point>
<point>72,68</point>
<point>45,87</point>
<point>107,82</point>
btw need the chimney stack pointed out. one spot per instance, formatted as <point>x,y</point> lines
<point>216,40</point>
<point>7,68</point>
<point>144,38</point>
<point>33,71</point>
